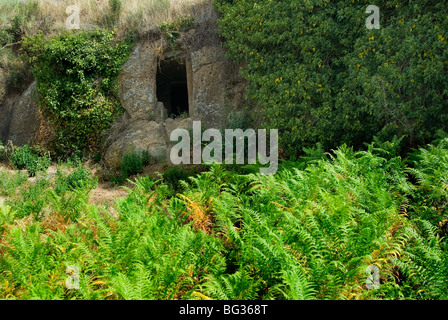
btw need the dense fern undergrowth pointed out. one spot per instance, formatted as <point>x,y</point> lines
<point>309,232</point>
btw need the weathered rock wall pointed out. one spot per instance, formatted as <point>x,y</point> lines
<point>145,126</point>
<point>19,117</point>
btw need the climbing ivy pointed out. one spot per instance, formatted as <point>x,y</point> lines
<point>75,75</point>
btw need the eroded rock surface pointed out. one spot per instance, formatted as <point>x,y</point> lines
<point>146,126</point>
<point>19,117</point>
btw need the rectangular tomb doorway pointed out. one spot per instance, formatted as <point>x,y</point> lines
<point>172,87</point>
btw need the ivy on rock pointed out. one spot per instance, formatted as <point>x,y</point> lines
<point>75,75</point>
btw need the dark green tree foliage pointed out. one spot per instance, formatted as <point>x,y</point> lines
<point>321,75</point>
<point>75,74</point>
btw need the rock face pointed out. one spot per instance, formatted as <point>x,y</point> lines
<point>142,135</point>
<point>209,84</point>
<point>137,80</point>
<point>19,117</point>
<point>165,84</point>
<point>147,124</point>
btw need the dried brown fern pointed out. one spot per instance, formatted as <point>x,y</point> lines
<point>201,218</point>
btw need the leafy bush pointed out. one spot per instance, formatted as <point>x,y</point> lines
<point>9,183</point>
<point>79,178</point>
<point>174,175</point>
<point>22,157</point>
<point>320,75</point>
<point>31,199</point>
<point>130,164</point>
<point>133,162</point>
<point>75,82</point>
<point>25,158</point>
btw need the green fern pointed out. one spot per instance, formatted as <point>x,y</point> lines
<point>237,286</point>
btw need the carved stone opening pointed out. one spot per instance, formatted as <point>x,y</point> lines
<point>172,87</point>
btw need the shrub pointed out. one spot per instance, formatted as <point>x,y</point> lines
<point>131,163</point>
<point>79,178</point>
<point>320,75</point>
<point>174,175</point>
<point>25,158</point>
<point>22,157</point>
<point>146,158</point>
<point>40,164</point>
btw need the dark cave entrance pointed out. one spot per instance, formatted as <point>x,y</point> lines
<point>172,87</point>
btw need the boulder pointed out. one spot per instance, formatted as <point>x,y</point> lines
<point>142,135</point>
<point>137,83</point>
<point>19,117</point>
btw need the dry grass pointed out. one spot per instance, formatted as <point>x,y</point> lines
<point>27,17</point>
<point>141,15</point>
